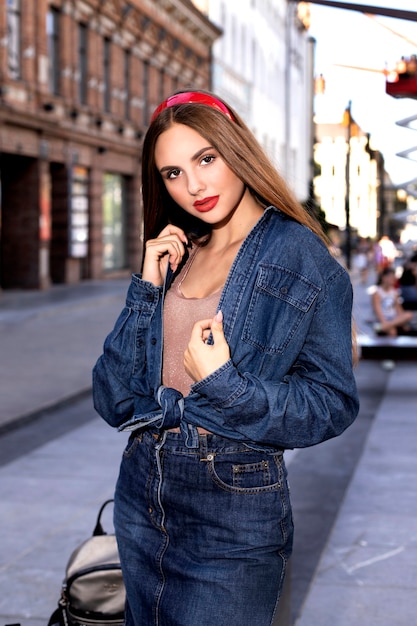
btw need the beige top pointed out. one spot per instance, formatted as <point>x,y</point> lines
<point>180,315</point>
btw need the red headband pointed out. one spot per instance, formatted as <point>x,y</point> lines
<point>192,97</point>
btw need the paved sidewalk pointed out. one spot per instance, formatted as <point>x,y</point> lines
<point>49,341</point>
<point>367,574</point>
<point>49,500</point>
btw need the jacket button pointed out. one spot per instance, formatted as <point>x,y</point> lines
<point>153,341</point>
<point>284,290</point>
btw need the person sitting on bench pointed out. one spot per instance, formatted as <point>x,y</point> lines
<point>408,284</point>
<point>392,319</point>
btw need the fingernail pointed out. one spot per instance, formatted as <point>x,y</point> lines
<point>219,317</point>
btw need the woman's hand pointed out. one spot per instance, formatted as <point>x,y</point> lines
<point>200,358</point>
<point>168,247</point>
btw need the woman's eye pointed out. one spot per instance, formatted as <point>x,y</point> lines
<point>209,158</point>
<point>173,174</point>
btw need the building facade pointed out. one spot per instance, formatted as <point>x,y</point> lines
<point>350,172</point>
<point>79,80</point>
<point>262,66</point>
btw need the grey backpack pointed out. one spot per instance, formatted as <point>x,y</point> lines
<point>93,591</point>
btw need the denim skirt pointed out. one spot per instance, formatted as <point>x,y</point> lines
<point>204,533</point>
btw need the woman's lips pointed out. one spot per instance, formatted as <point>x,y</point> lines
<point>206,204</point>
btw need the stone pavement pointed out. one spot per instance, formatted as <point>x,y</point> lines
<point>367,574</point>
<point>49,497</point>
<point>49,342</point>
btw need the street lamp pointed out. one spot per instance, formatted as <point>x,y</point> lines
<point>347,121</point>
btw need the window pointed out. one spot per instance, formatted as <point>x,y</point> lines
<point>82,63</point>
<point>175,83</point>
<point>127,61</point>
<point>242,54</point>
<point>52,32</point>
<point>234,39</point>
<point>145,91</point>
<point>106,74</point>
<point>13,38</point>
<point>223,40</point>
<point>161,84</point>
<point>254,58</point>
<point>114,223</point>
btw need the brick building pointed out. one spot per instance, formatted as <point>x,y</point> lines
<point>79,80</point>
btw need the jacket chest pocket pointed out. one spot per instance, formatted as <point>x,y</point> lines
<point>280,301</point>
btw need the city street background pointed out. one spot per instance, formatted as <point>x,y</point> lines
<point>352,51</point>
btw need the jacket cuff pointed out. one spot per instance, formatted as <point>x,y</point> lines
<point>222,387</point>
<point>142,294</point>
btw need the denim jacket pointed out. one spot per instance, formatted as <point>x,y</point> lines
<point>287,306</point>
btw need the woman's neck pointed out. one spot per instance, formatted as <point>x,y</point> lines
<point>238,226</point>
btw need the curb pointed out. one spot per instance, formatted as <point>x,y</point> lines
<point>22,420</point>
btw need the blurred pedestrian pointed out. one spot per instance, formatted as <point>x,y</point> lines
<point>235,344</point>
<point>363,258</point>
<point>386,303</point>
<point>408,284</point>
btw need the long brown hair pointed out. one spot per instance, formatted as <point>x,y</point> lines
<point>238,148</point>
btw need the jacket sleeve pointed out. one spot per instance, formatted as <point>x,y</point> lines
<point>314,401</point>
<point>124,355</point>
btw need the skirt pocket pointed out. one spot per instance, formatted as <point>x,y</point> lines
<point>246,472</point>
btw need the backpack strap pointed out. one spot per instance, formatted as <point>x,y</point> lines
<point>59,616</point>
<point>98,530</point>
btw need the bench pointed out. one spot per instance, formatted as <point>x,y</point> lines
<point>401,348</point>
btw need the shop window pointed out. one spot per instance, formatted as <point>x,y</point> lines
<point>114,223</point>
<point>78,222</point>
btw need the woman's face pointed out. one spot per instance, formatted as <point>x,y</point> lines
<point>388,280</point>
<point>195,175</point>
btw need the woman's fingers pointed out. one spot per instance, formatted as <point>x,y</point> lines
<point>168,247</point>
<point>200,358</point>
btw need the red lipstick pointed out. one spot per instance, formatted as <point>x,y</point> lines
<point>206,204</point>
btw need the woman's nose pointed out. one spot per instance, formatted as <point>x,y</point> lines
<point>195,184</point>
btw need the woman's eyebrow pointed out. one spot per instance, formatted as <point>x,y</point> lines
<point>195,157</point>
<point>199,153</point>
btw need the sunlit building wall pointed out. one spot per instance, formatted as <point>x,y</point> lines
<point>331,154</point>
<point>260,67</point>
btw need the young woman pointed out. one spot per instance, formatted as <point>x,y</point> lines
<point>389,312</point>
<point>235,344</point>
